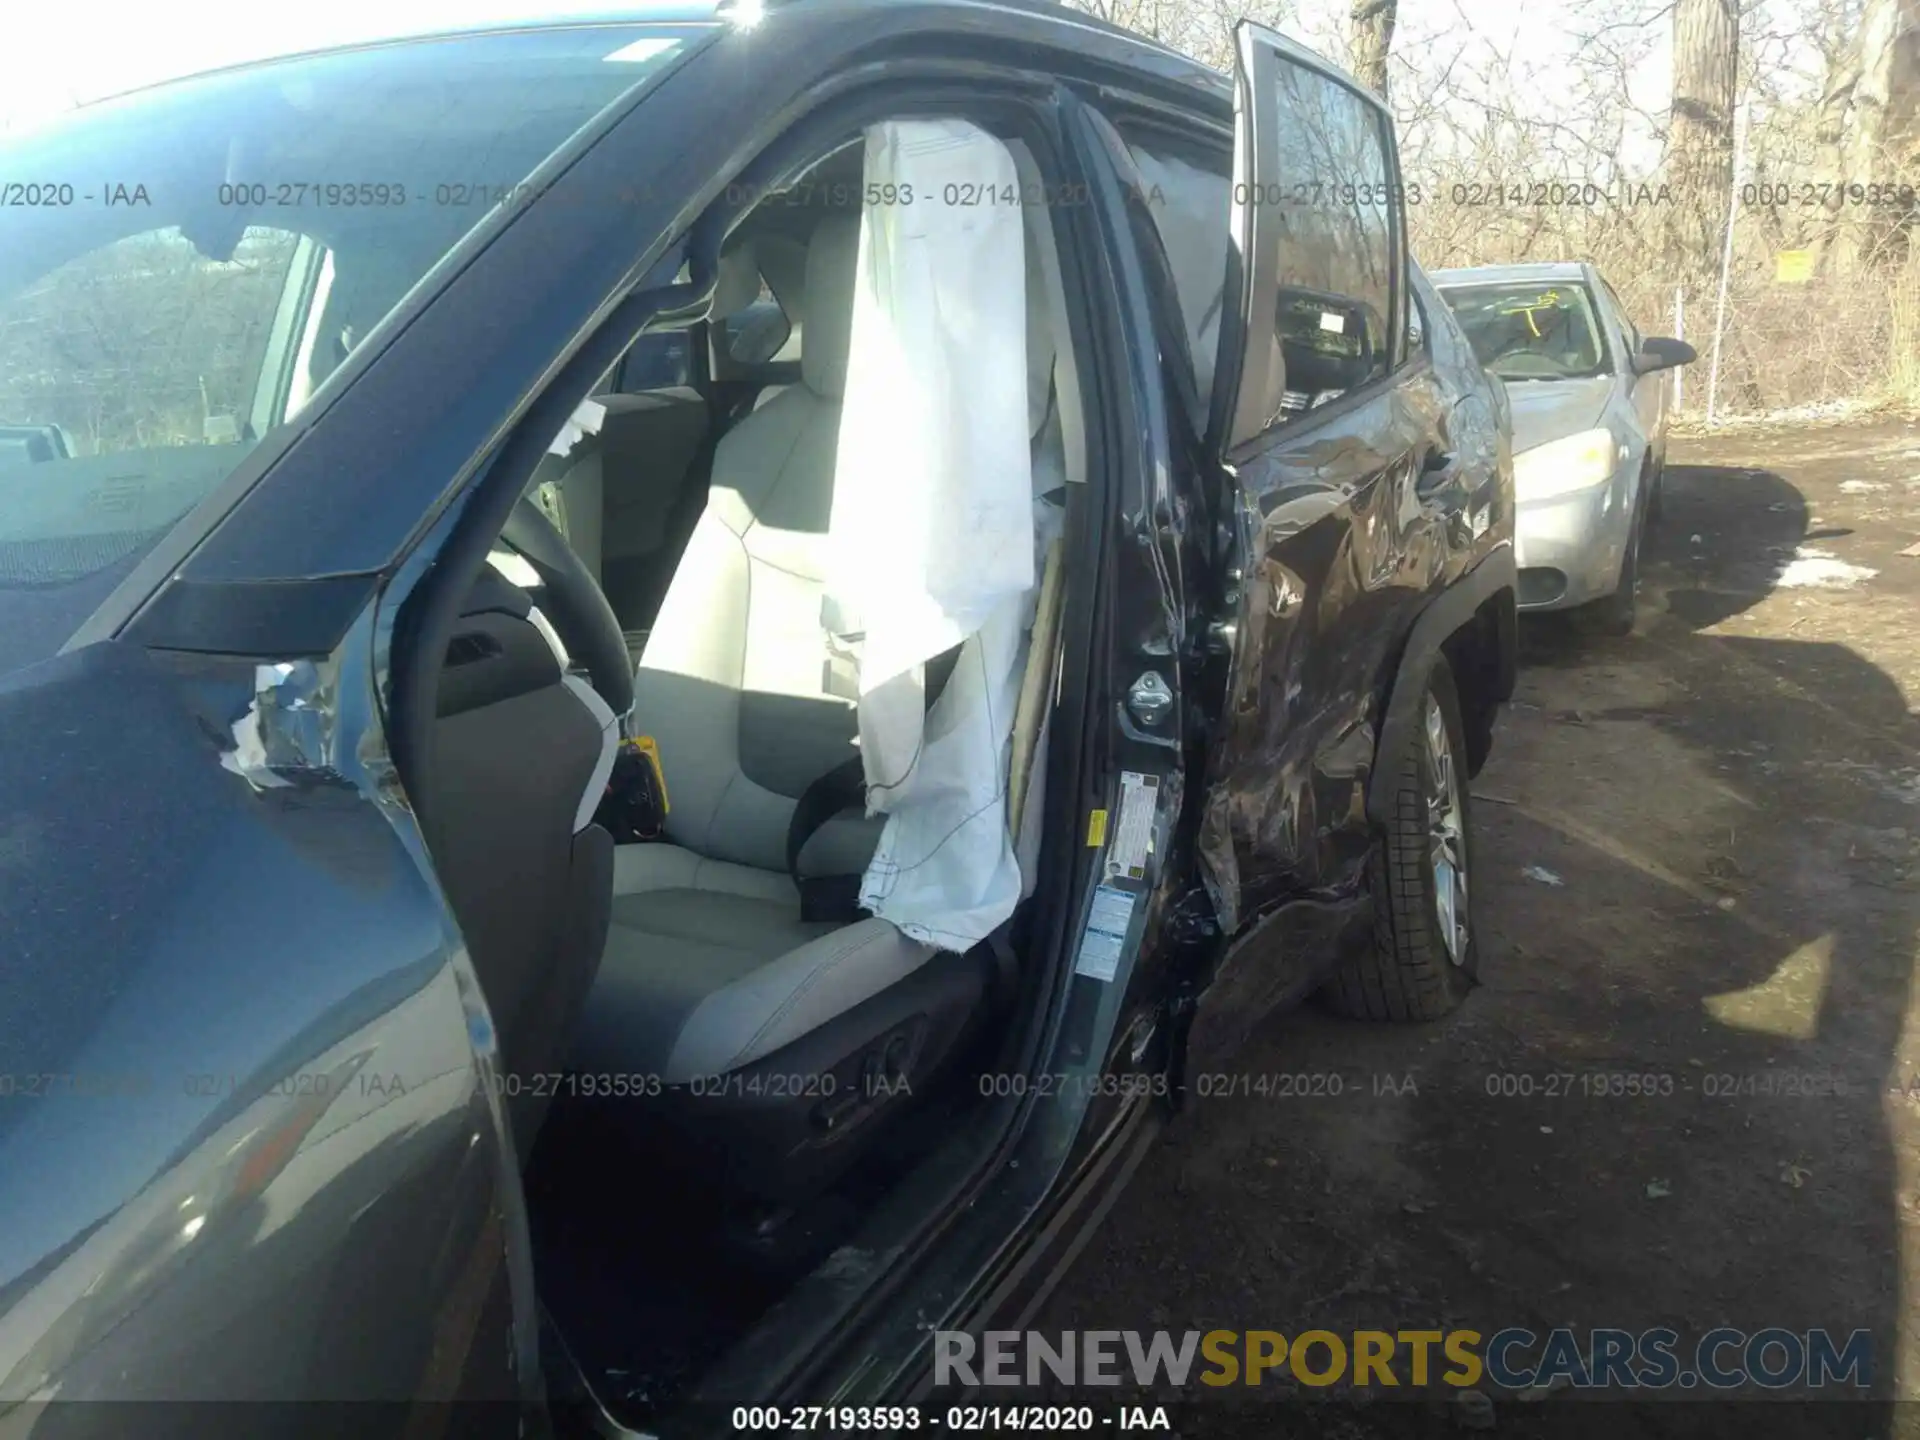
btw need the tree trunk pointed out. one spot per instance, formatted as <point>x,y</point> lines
<point>1830,131</point>
<point>1881,138</point>
<point>1706,51</point>
<point>1370,40</point>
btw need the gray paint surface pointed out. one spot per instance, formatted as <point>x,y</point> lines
<point>1583,534</point>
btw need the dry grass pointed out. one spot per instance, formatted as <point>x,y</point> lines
<point>1902,384</point>
<point>1848,335</point>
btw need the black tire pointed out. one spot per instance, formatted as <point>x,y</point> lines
<point>1656,487</point>
<point>1406,972</point>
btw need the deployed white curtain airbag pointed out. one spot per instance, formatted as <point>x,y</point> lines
<point>931,543</point>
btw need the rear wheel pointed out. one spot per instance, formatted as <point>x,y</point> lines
<point>1422,956</point>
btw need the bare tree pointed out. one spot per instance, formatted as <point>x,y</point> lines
<point>1517,147</point>
<point>1706,54</point>
<point>1370,39</point>
<point>1880,139</point>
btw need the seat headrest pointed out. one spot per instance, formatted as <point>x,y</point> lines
<point>826,309</point>
<point>738,283</point>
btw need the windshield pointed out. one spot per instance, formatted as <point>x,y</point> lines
<point>190,263</point>
<point>1530,332</point>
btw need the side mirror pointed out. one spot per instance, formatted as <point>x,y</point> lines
<point>1657,352</point>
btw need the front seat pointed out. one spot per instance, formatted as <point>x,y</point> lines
<point>628,489</point>
<point>788,1037</point>
<point>522,750</point>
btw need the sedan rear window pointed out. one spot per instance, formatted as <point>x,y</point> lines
<point>193,261</point>
<point>1532,331</point>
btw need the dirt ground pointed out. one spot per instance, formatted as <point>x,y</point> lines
<point>1697,857</point>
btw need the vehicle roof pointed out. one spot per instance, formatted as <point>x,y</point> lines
<point>1161,59</point>
<point>673,12</point>
<point>1563,270</point>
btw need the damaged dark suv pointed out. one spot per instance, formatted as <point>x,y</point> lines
<point>670,676</point>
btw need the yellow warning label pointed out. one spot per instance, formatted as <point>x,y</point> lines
<point>1793,267</point>
<point>646,745</point>
<point>1096,829</point>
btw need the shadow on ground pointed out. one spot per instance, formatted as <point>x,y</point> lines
<point>1697,867</point>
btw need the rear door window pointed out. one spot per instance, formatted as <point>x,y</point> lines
<point>1315,206</point>
<point>1335,247</point>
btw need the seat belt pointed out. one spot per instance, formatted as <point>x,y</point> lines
<point>836,898</point>
<point>826,897</point>
<point>1006,966</point>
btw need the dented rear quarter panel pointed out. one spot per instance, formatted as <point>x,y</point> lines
<point>1345,540</point>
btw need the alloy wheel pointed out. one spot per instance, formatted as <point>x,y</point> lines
<point>1446,835</point>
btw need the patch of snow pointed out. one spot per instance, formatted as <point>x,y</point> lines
<point>1543,875</point>
<point>1902,785</point>
<point>1862,487</point>
<point>1820,569</point>
<point>1796,414</point>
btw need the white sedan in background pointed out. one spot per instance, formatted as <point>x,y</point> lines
<point>1589,397</point>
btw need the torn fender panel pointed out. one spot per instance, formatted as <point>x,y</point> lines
<point>1276,965</point>
<point>256,1103</point>
<point>287,729</point>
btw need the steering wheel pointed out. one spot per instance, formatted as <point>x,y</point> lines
<point>1521,361</point>
<point>575,603</point>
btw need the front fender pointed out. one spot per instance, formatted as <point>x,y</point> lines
<point>1443,616</point>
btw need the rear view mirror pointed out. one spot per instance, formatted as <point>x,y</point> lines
<point>1657,352</point>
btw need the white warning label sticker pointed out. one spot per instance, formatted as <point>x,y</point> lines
<point>1133,835</point>
<point>1106,935</point>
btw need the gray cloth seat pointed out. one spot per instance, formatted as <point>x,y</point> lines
<point>621,486</point>
<point>709,969</point>
<point>708,966</point>
<point>651,433</point>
